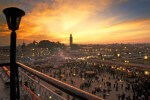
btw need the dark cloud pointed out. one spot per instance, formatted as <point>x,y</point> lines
<point>129,10</point>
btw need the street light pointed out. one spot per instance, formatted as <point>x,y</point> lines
<point>118,55</point>
<point>146,73</point>
<point>145,57</point>
<point>13,17</point>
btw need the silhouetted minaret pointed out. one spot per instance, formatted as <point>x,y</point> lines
<point>23,45</point>
<point>71,40</point>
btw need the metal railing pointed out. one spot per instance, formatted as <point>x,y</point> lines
<point>36,90</point>
<point>71,90</point>
<point>43,92</point>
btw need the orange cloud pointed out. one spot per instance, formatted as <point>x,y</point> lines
<point>125,32</point>
<point>4,30</point>
<point>57,20</point>
<point>85,19</point>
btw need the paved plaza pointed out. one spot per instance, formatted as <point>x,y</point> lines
<point>98,83</point>
<point>100,80</point>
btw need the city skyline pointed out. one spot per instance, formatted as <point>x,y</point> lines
<point>109,21</point>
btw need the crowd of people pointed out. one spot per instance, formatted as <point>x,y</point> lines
<point>102,80</point>
<point>141,88</point>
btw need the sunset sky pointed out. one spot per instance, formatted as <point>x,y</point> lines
<point>89,21</point>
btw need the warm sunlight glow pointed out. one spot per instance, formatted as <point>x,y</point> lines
<point>55,20</point>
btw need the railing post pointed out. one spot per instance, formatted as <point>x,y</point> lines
<point>39,90</point>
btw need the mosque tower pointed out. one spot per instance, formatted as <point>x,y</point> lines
<point>71,40</point>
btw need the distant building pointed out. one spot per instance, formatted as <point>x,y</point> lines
<point>71,40</point>
<point>35,43</point>
<point>23,45</point>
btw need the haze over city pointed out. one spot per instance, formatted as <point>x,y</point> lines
<point>104,21</point>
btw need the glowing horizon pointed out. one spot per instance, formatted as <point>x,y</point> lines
<point>90,21</point>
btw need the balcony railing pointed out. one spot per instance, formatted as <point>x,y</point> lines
<point>35,85</point>
<point>33,89</point>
